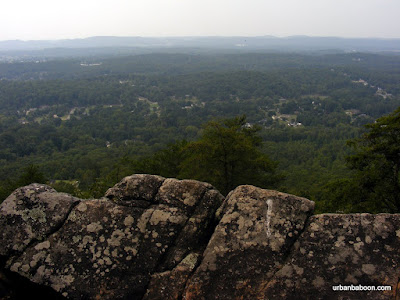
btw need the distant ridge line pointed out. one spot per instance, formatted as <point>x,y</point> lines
<point>224,42</point>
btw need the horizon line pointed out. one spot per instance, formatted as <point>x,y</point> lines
<point>200,36</point>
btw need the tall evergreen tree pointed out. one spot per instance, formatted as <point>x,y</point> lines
<point>377,161</point>
<point>227,155</point>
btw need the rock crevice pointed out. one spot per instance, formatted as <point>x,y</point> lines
<point>33,213</point>
<point>249,244</point>
<point>287,254</point>
<point>110,249</point>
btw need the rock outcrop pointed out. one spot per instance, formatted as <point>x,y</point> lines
<point>257,229</point>
<point>157,238</point>
<point>108,248</point>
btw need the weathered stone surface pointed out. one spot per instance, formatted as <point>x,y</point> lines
<point>357,249</point>
<point>257,229</point>
<point>198,228</point>
<point>108,248</point>
<point>170,284</point>
<point>137,190</point>
<point>163,238</point>
<point>30,214</point>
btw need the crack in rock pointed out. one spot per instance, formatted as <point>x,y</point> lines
<point>163,238</point>
<point>29,215</point>
<point>256,229</point>
<point>102,239</point>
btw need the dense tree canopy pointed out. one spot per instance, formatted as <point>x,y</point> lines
<point>374,184</point>
<point>377,161</point>
<point>227,155</point>
<point>85,127</point>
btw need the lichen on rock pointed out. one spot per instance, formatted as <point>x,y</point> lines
<point>110,247</point>
<point>256,229</point>
<point>354,249</point>
<point>30,214</point>
<point>163,238</point>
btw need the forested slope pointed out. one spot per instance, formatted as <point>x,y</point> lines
<point>83,124</point>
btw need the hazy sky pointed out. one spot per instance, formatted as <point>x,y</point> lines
<point>52,19</point>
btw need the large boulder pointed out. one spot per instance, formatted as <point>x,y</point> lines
<point>250,243</point>
<point>109,248</point>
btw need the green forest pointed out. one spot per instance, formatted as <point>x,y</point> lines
<point>322,126</point>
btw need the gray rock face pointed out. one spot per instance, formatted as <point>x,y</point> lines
<point>257,229</point>
<point>171,284</point>
<point>30,214</point>
<point>109,248</point>
<point>136,190</point>
<point>357,249</point>
<point>156,238</point>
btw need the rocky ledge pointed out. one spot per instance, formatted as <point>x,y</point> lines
<point>157,238</point>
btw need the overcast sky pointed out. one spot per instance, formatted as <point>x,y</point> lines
<point>60,19</point>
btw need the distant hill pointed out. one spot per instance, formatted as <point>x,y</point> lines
<point>293,43</point>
